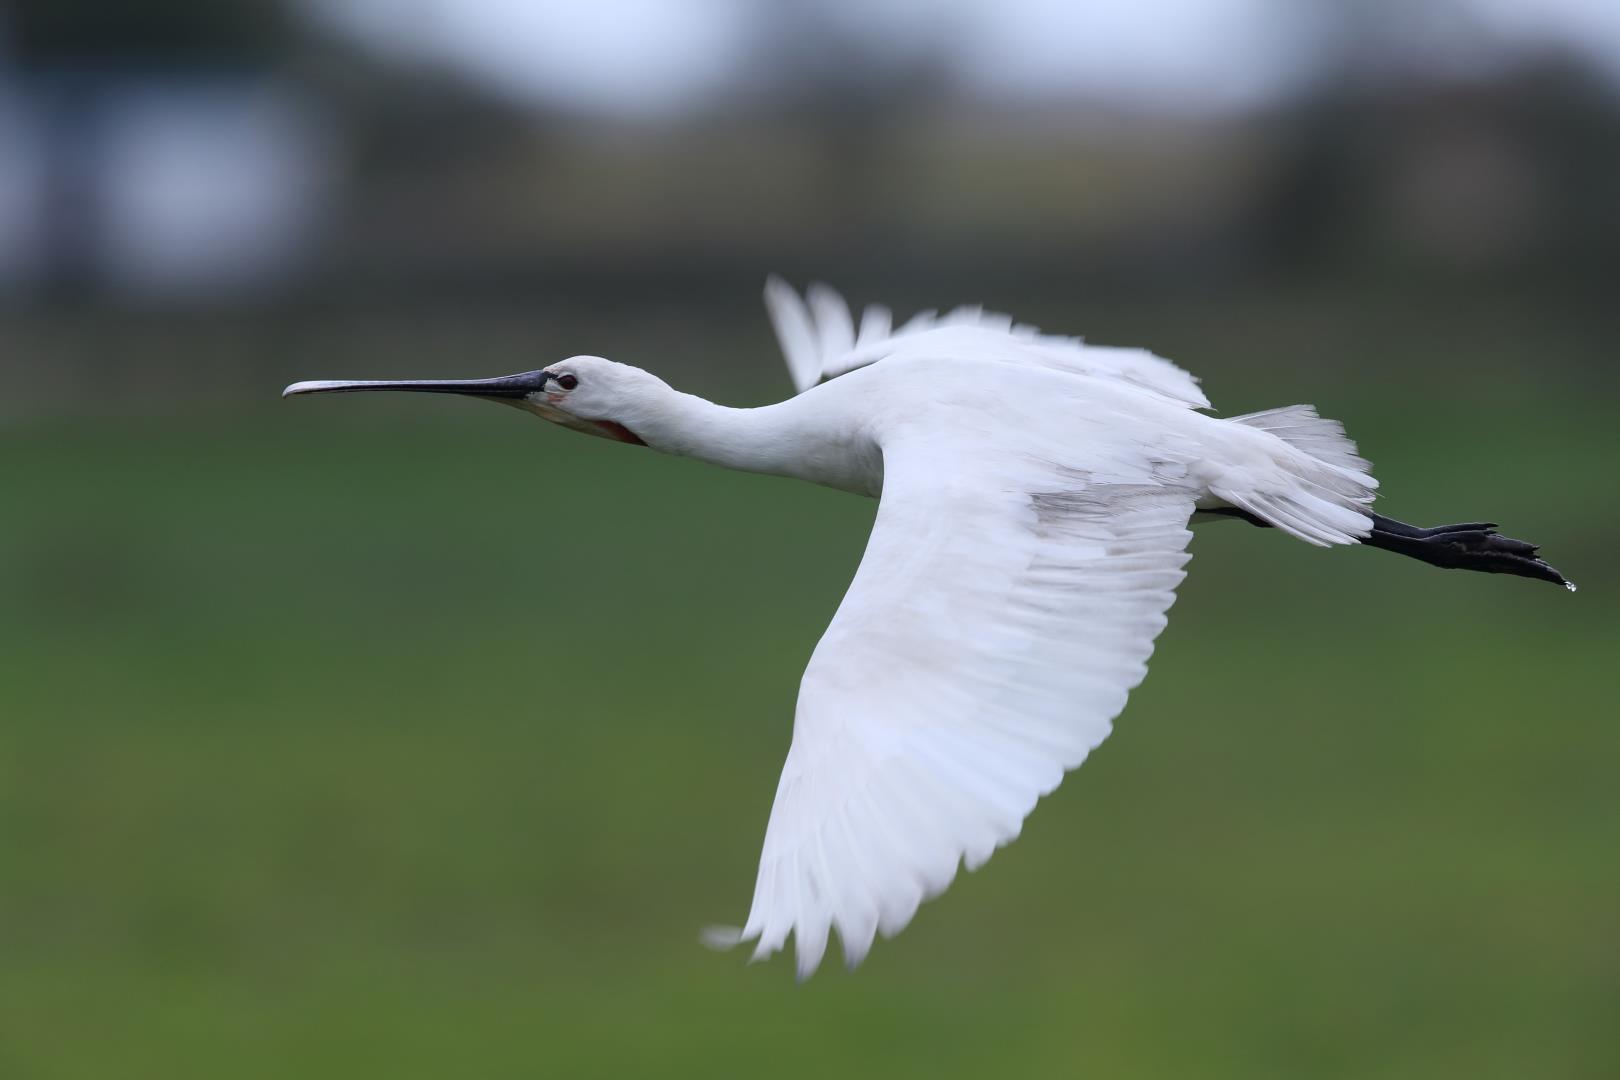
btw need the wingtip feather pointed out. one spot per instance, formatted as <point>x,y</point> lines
<point>721,938</point>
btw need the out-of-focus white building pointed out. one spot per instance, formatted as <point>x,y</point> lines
<point>165,186</point>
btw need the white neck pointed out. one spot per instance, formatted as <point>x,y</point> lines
<point>790,438</point>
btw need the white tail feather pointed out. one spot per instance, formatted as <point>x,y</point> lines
<point>1326,486</point>
<point>1302,428</point>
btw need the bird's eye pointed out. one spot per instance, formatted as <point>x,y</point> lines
<point>567,382</point>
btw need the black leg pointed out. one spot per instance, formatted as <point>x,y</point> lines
<point>1474,546</point>
<point>1471,546</point>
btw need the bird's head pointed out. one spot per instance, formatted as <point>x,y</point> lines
<point>586,393</point>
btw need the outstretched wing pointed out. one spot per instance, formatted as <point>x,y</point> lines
<point>1003,609</point>
<point>820,340</point>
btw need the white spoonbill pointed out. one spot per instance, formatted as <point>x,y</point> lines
<point>1036,495</point>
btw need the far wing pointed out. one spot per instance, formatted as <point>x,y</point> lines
<point>1002,611</point>
<point>820,340</point>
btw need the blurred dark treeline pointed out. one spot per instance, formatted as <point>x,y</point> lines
<point>243,162</point>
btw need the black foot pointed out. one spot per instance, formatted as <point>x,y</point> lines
<point>1474,546</point>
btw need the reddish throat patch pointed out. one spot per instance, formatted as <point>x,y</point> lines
<point>615,430</point>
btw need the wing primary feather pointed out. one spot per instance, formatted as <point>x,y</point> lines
<point>795,333</point>
<point>835,332</point>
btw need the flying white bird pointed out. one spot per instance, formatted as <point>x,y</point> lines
<point>1036,496</point>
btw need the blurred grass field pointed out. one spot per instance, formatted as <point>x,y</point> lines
<point>409,737</point>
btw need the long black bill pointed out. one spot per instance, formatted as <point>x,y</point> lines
<point>506,386</point>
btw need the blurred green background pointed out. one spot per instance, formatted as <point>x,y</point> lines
<point>412,737</point>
